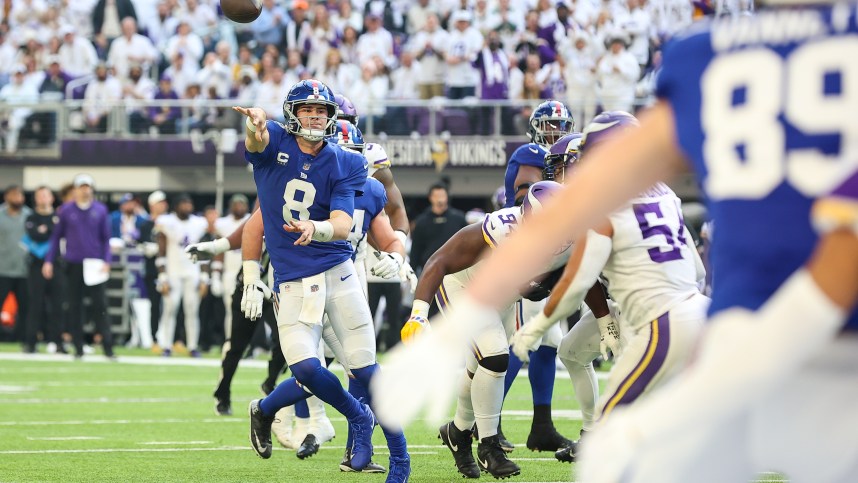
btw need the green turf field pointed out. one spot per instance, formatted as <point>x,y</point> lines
<point>147,419</point>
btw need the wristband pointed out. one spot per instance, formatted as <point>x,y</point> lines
<point>161,262</point>
<point>249,124</point>
<point>401,235</point>
<point>420,308</point>
<point>324,231</point>
<point>251,271</point>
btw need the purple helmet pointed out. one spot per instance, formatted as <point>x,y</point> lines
<point>345,109</point>
<point>605,125</point>
<point>562,153</point>
<point>538,194</point>
<point>499,198</point>
<point>549,122</point>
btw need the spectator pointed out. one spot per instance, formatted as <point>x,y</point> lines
<point>579,73</point>
<point>17,92</point>
<point>165,117</point>
<point>638,24</point>
<point>131,48</point>
<point>248,87</point>
<point>295,69</point>
<point>368,94</point>
<point>85,226</point>
<point>223,50</point>
<point>618,73</point>
<point>108,15</point>
<point>485,19</point>
<point>246,59</point>
<point>346,16</point>
<point>214,74</point>
<point>645,89</point>
<point>435,226</point>
<point>297,35</point>
<point>429,46</point>
<point>510,21</point>
<point>162,26</point>
<point>493,65</point>
<point>338,75</point>
<point>348,45</point>
<point>8,53</point>
<point>404,78</point>
<point>77,55</point>
<point>99,98</point>
<point>463,47</point>
<point>268,27</point>
<point>136,90</point>
<point>202,19</point>
<point>271,94</point>
<point>34,76</point>
<point>186,42</point>
<point>45,304</point>
<point>55,79</point>
<point>376,41</point>
<point>322,39</point>
<point>182,71</point>
<point>13,256</point>
<point>670,16</point>
<point>127,221</point>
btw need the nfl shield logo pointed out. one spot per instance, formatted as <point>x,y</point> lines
<point>306,166</point>
<point>314,288</point>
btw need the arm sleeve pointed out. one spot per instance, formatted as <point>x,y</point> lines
<point>59,232</point>
<point>345,190</point>
<point>267,155</point>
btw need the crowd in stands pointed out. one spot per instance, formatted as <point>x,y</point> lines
<point>590,53</point>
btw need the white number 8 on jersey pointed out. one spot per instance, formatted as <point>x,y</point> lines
<point>295,206</point>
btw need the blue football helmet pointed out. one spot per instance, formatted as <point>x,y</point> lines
<point>346,110</point>
<point>562,153</point>
<point>549,122</point>
<point>605,125</point>
<point>348,136</point>
<point>538,194</point>
<point>310,91</point>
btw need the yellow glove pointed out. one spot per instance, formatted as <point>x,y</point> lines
<point>418,321</point>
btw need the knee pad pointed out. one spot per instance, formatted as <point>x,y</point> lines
<point>496,363</point>
<point>305,369</point>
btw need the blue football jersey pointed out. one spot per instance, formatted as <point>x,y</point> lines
<point>295,185</point>
<point>764,108</point>
<point>367,207</point>
<point>530,154</point>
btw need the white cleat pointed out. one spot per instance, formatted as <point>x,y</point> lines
<point>282,427</point>
<point>322,429</point>
<point>299,432</point>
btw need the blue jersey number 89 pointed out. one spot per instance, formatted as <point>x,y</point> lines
<point>741,110</point>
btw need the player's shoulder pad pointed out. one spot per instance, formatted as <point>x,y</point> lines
<point>376,156</point>
<point>497,225</point>
<point>530,154</point>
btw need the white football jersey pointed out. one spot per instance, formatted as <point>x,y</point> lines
<point>651,267</point>
<point>225,226</point>
<point>180,234</point>
<point>496,226</point>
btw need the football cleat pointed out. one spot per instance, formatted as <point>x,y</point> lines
<point>459,443</point>
<point>492,459</point>
<point>267,387</point>
<point>282,426</point>
<point>362,428</point>
<point>371,467</point>
<point>570,453</point>
<point>505,444</point>
<point>544,437</point>
<point>260,430</point>
<point>400,469</point>
<point>309,447</point>
<point>322,428</point>
<point>300,431</point>
<point>223,407</point>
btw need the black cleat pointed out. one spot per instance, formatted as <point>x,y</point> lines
<point>544,437</point>
<point>223,407</point>
<point>492,459</point>
<point>372,467</point>
<point>267,388</point>
<point>570,454</point>
<point>505,444</point>
<point>260,430</point>
<point>459,443</point>
<point>309,447</point>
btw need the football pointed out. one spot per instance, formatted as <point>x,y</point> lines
<point>241,11</point>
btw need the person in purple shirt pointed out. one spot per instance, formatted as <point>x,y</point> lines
<point>165,117</point>
<point>85,225</point>
<point>493,64</point>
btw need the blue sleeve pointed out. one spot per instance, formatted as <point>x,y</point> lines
<point>275,134</point>
<point>666,79</point>
<point>351,185</point>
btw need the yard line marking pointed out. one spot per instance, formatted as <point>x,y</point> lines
<point>175,442</point>
<point>65,438</point>
<point>121,421</point>
<point>15,389</point>
<point>103,400</point>
<point>125,450</point>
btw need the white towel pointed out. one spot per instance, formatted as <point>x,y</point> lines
<point>313,306</point>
